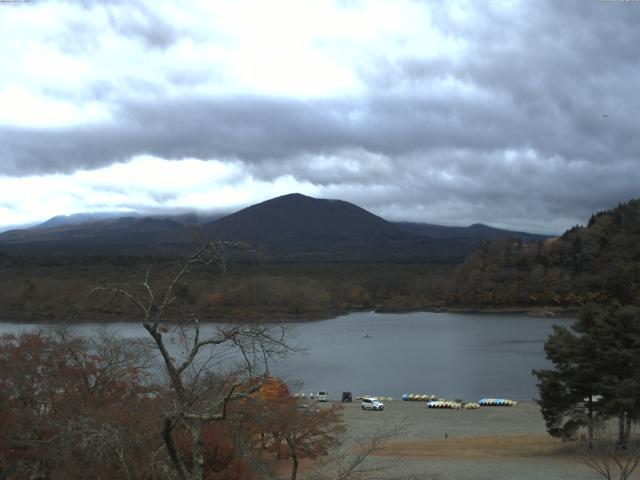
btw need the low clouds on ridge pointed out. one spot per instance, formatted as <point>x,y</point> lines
<point>513,113</point>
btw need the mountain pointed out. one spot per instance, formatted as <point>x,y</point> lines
<point>125,235</point>
<point>78,218</point>
<point>292,227</point>
<point>296,216</point>
<point>295,227</point>
<point>105,218</point>
<point>475,232</point>
<point>298,227</point>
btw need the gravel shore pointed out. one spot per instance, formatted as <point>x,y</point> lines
<point>488,443</point>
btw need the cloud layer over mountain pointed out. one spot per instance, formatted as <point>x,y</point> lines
<point>513,113</point>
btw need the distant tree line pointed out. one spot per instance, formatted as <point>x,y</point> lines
<point>248,291</point>
<point>597,263</point>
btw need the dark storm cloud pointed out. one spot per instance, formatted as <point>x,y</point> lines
<point>543,81</point>
<point>537,112</point>
<point>256,129</point>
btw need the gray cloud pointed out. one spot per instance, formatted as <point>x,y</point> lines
<point>140,22</point>
<point>255,130</point>
<point>135,20</point>
<point>537,114</point>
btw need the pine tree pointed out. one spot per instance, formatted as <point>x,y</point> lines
<point>569,392</point>
<point>596,372</point>
<point>616,333</point>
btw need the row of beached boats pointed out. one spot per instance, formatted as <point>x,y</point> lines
<point>435,402</point>
<point>497,402</point>
<point>417,397</point>
<point>432,401</point>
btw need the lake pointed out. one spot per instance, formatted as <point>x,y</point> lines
<point>467,356</point>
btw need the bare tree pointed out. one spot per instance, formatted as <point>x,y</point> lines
<point>609,458</point>
<point>355,464</point>
<point>311,433</point>
<point>202,390</point>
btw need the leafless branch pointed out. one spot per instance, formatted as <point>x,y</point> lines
<point>353,465</point>
<point>610,459</point>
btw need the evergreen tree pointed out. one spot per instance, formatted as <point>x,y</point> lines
<point>616,332</point>
<point>596,372</point>
<point>569,392</point>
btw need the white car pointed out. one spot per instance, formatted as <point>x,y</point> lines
<point>369,403</point>
<point>322,396</point>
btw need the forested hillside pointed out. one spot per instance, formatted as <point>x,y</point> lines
<point>594,263</point>
<point>586,264</point>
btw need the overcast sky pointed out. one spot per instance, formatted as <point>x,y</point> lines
<point>519,114</point>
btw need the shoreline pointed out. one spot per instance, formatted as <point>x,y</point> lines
<point>535,312</point>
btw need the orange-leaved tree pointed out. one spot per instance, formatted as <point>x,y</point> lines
<point>75,408</point>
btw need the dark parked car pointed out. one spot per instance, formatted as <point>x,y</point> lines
<point>347,397</point>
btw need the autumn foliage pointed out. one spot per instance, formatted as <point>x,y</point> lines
<point>72,408</point>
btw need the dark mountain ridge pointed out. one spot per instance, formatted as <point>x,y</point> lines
<point>477,231</point>
<point>79,218</point>
<point>296,216</point>
<point>290,227</point>
<point>124,235</point>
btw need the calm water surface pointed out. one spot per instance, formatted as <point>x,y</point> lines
<point>451,355</point>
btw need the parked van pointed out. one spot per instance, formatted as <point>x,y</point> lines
<point>322,396</point>
<point>369,403</point>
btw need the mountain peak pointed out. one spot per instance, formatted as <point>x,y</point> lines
<point>293,198</point>
<point>300,216</point>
